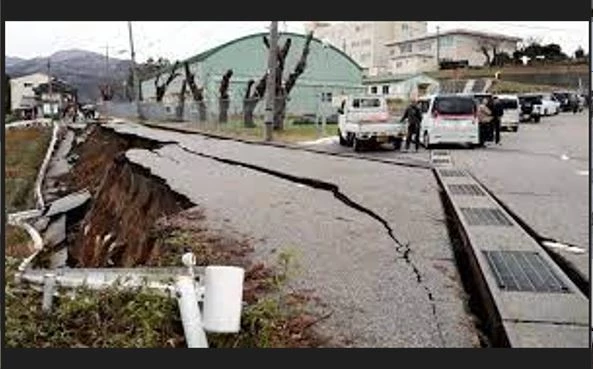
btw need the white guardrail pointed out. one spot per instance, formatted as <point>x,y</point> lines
<point>220,288</point>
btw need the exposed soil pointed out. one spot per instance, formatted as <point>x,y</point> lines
<point>135,220</point>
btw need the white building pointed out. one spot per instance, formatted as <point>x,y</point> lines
<point>22,93</point>
<point>401,86</point>
<point>422,54</point>
<point>365,42</point>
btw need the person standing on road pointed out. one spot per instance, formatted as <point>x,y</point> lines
<point>497,112</point>
<point>414,116</point>
<point>573,100</point>
<point>484,120</point>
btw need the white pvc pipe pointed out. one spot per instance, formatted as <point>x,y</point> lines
<point>223,298</point>
<point>189,309</point>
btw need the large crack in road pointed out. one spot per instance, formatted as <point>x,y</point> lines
<point>402,248</point>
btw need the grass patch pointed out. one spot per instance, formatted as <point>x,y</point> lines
<point>9,118</point>
<point>17,242</point>
<point>290,134</point>
<point>25,150</point>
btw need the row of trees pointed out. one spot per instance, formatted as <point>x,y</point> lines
<point>254,92</point>
<point>532,49</point>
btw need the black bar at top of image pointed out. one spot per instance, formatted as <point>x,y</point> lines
<point>453,10</point>
<point>394,358</point>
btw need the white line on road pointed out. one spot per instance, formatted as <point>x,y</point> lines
<point>583,172</point>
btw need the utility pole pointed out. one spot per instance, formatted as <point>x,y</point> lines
<point>51,97</point>
<point>136,84</point>
<point>271,83</point>
<point>438,48</point>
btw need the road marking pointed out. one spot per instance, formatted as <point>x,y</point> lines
<point>565,157</point>
<point>583,172</point>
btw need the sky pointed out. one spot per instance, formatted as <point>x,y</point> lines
<point>180,40</point>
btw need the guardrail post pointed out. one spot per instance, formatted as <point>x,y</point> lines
<point>49,287</point>
<point>189,309</point>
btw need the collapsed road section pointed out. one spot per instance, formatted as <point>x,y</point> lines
<point>388,283</point>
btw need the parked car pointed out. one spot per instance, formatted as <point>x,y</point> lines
<point>550,105</point>
<point>564,98</point>
<point>366,120</point>
<point>531,108</point>
<point>512,112</point>
<point>449,118</point>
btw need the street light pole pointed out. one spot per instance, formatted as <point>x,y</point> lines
<point>271,82</point>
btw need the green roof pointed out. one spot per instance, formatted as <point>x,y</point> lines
<point>204,55</point>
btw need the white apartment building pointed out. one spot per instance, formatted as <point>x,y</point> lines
<point>365,42</point>
<point>21,91</point>
<point>420,54</point>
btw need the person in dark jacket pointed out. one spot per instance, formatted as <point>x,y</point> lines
<point>497,111</point>
<point>414,116</point>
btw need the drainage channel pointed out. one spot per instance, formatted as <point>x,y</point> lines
<point>526,299</point>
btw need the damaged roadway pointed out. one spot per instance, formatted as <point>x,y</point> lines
<point>370,238</point>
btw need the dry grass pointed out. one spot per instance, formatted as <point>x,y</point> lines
<point>24,152</point>
<point>501,87</point>
<point>17,242</point>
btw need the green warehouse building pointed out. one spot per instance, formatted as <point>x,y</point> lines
<point>329,73</point>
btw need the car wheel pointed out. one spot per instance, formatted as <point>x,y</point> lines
<point>397,144</point>
<point>537,119</point>
<point>546,112</point>
<point>515,128</point>
<point>426,141</point>
<point>343,141</point>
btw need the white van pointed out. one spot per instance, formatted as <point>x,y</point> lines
<point>512,112</point>
<point>449,119</point>
<point>365,120</point>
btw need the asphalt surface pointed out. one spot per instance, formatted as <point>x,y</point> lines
<point>541,173</point>
<point>385,289</point>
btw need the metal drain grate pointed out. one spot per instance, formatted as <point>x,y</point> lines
<point>441,161</point>
<point>452,173</point>
<point>466,189</point>
<point>440,153</point>
<point>485,217</point>
<point>524,271</point>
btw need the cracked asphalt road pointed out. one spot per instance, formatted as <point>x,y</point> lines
<point>381,295</point>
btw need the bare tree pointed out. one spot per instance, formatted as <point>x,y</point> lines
<point>224,96</point>
<point>250,99</point>
<point>181,108</point>
<point>161,89</point>
<point>197,92</point>
<point>489,48</point>
<point>283,89</point>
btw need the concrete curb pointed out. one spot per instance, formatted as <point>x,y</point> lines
<point>515,316</point>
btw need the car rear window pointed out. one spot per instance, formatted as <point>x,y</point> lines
<point>508,104</point>
<point>366,103</point>
<point>454,105</point>
<point>532,100</point>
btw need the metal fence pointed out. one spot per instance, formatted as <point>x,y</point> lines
<point>215,112</point>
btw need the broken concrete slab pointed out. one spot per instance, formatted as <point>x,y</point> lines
<point>67,203</point>
<point>41,224</point>
<point>58,259</point>
<point>55,233</point>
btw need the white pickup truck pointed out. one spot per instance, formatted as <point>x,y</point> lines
<point>365,120</point>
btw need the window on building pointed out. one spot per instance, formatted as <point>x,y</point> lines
<point>405,27</point>
<point>405,48</point>
<point>392,52</point>
<point>326,96</point>
<point>385,90</point>
<point>398,64</point>
<point>28,84</point>
<point>374,89</point>
<point>446,41</point>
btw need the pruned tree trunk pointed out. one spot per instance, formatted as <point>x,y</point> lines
<point>181,107</point>
<point>106,92</point>
<point>224,101</point>
<point>250,100</point>
<point>197,92</point>
<point>284,91</point>
<point>161,89</point>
